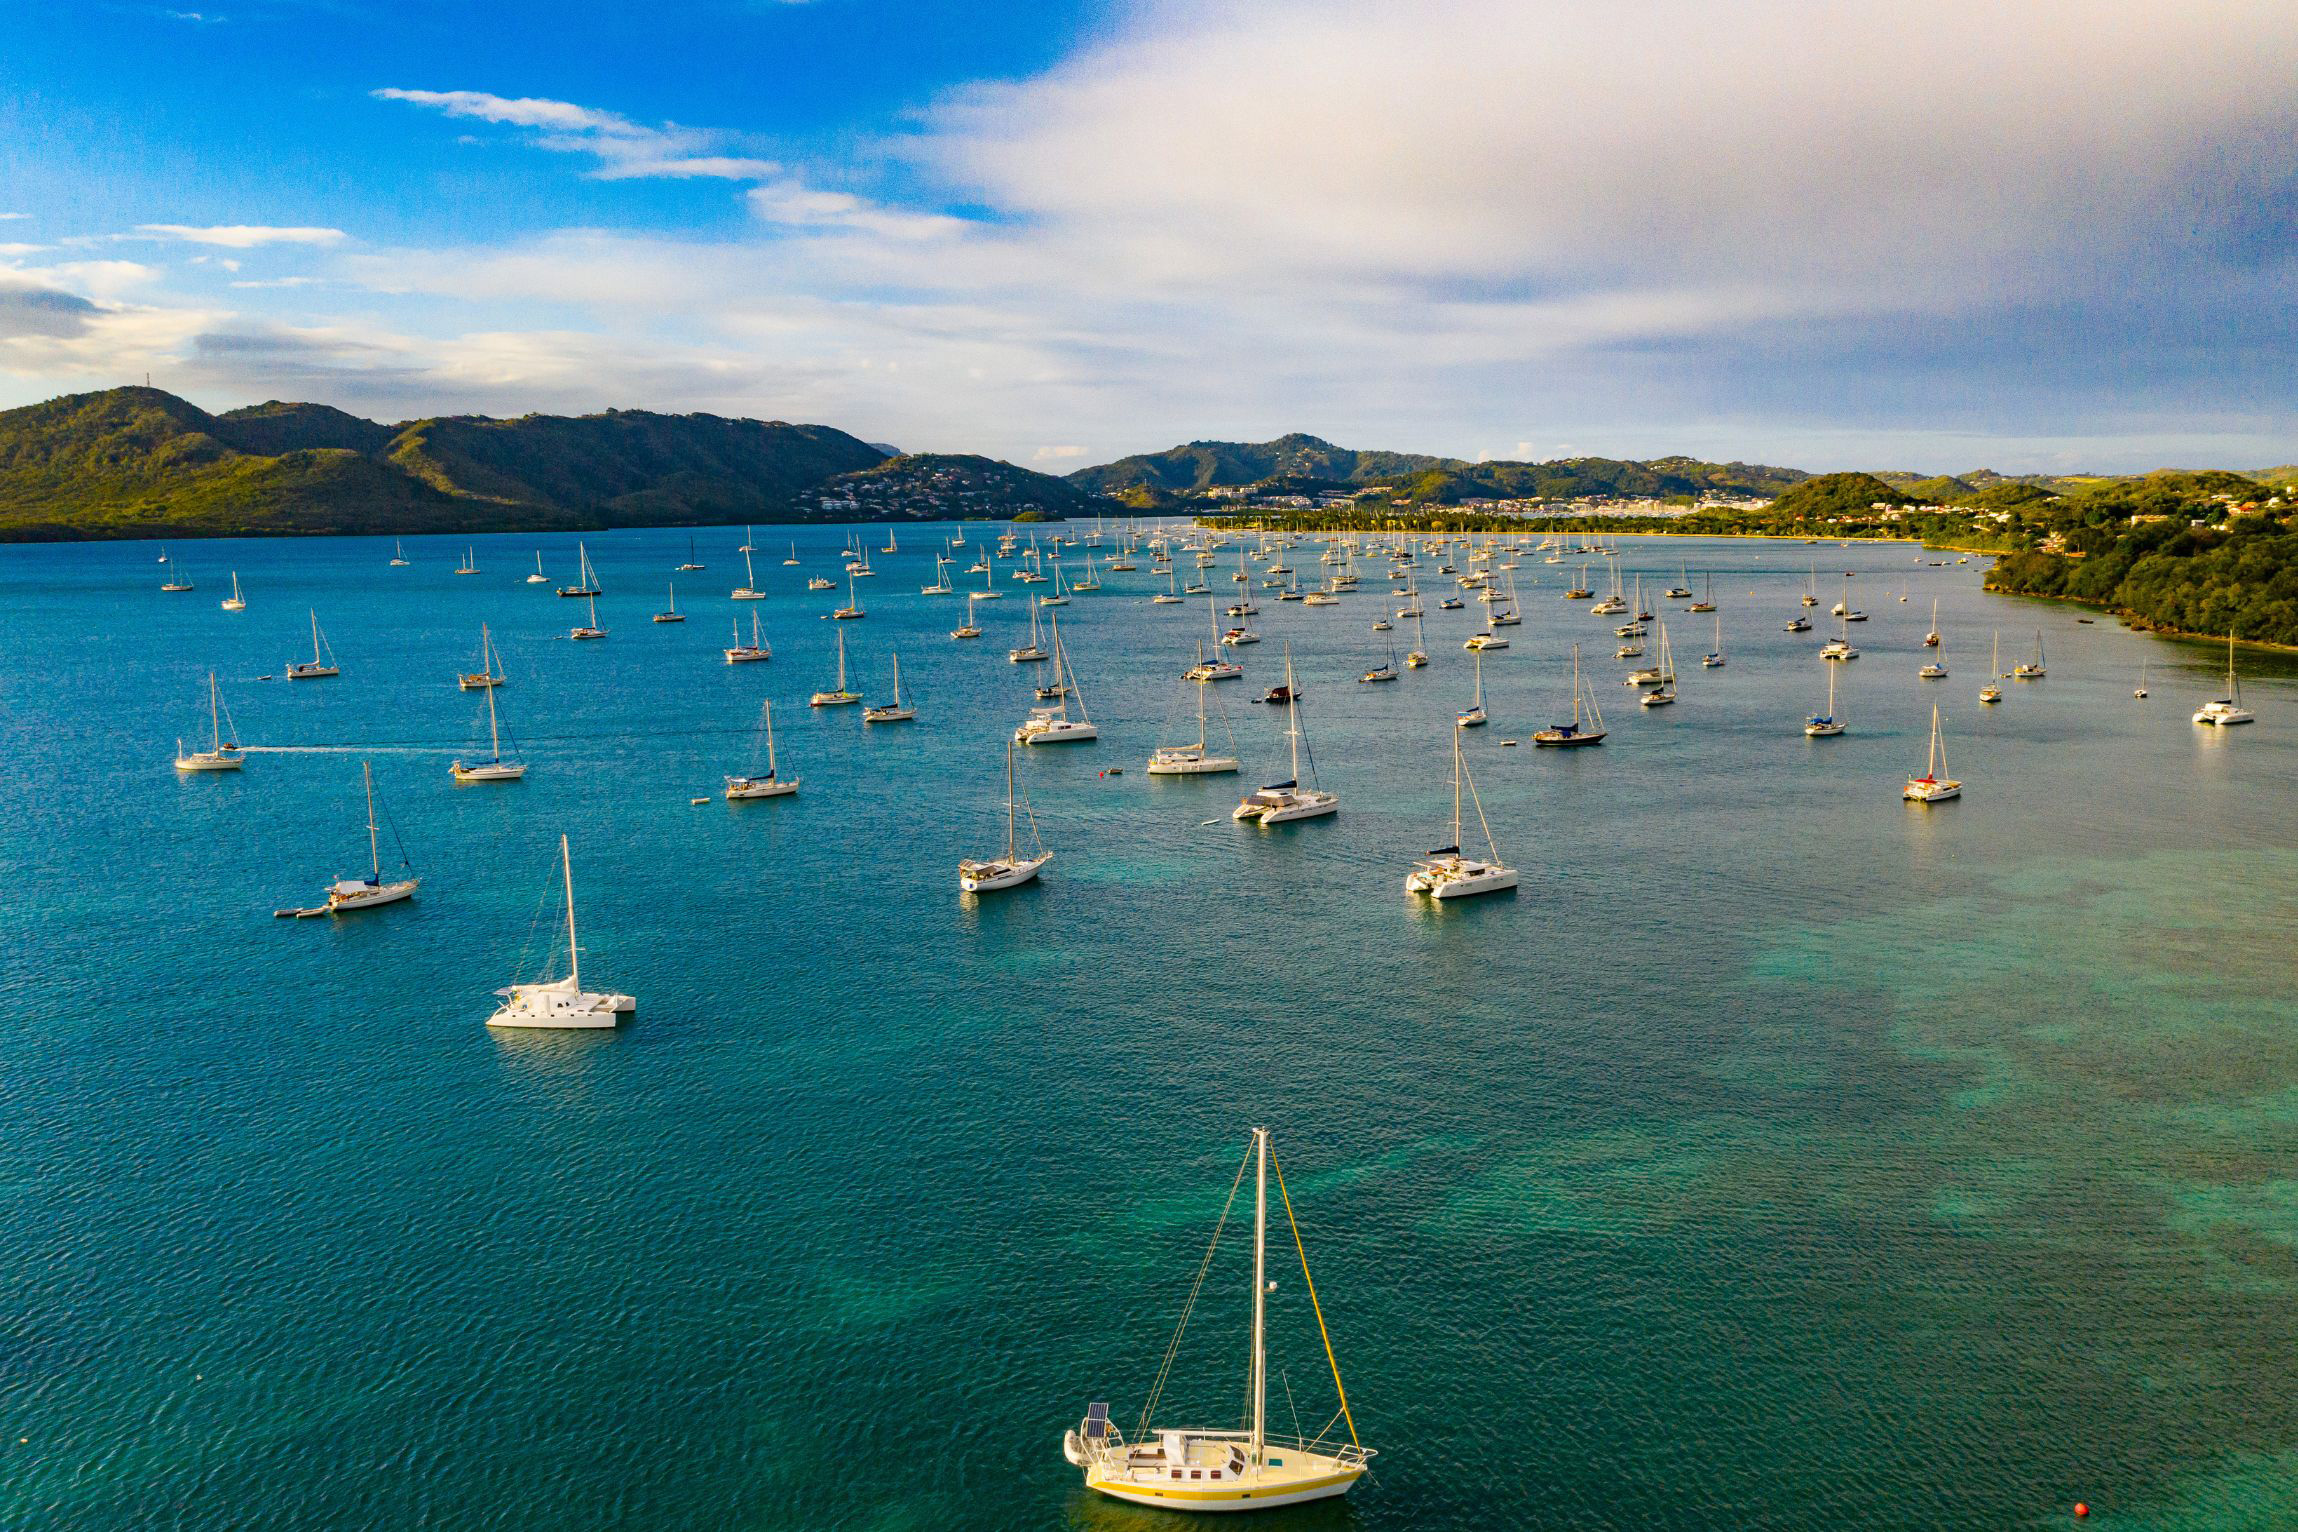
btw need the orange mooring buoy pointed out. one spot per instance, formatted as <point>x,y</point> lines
<point>2081,1509</point>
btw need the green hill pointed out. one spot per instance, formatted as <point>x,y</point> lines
<point>1835,494</point>
<point>140,462</point>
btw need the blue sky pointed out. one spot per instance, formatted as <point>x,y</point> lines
<point>2045,237</point>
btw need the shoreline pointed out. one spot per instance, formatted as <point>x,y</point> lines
<point>2124,617</point>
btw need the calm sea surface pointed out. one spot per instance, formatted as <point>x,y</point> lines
<point>1779,1156</point>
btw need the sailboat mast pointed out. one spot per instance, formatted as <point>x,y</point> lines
<point>1456,763</point>
<point>574,953</point>
<point>214,723</point>
<point>1012,842</point>
<point>842,660</point>
<point>897,678</point>
<point>1260,1290</point>
<point>771,768</point>
<point>1293,713</point>
<point>315,636</point>
<point>374,852</point>
<point>494,729</point>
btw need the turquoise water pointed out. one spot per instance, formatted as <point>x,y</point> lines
<point>1779,1156</point>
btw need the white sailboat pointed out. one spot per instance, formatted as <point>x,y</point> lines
<point>1283,802</point>
<point>2220,712</point>
<point>1034,650</point>
<point>772,784</point>
<point>586,578</point>
<point>589,629</point>
<point>896,711</point>
<point>969,628</point>
<point>1931,639</point>
<point>1170,595</point>
<point>175,582</point>
<point>1417,655</point>
<point>1053,725</point>
<point>749,537</point>
<point>1825,725</point>
<point>1195,760</point>
<point>1663,690</point>
<point>941,585</point>
<point>1204,1470</point>
<point>219,755</point>
<point>692,561</point>
<point>1934,786</point>
<point>740,653</point>
<point>562,1003</point>
<point>837,696</point>
<point>1715,656</point>
<point>853,607</point>
<point>1992,693</point>
<point>2140,690</point>
<point>1449,872</point>
<point>470,564</point>
<point>399,555</point>
<point>748,590</point>
<point>2031,670</point>
<point>792,560</point>
<point>235,602</point>
<point>494,768</point>
<point>1473,716</point>
<point>537,578</point>
<point>363,893</point>
<point>1011,869</point>
<point>488,674</point>
<point>671,613</point>
<point>322,661</point>
<point>1587,725</point>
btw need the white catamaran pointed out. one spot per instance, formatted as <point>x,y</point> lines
<point>2221,712</point>
<point>1934,786</point>
<point>1236,1469</point>
<point>561,1003</point>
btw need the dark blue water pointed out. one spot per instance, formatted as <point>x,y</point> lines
<point>1779,1156</point>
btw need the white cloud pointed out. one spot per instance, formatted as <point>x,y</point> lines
<point>624,150</point>
<point>241,236</point>
<point>1056,454</point>
<point>12,250</point>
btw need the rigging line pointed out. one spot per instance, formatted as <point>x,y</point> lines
<point>1310,1283</point>
<point>1172,1349</point>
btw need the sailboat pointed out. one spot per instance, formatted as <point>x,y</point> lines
<point>1225,1469</point>
<point>1417,655</point>
<point>1931,639</point>
<point>1386,670</point>
<point>537,578</point>
<point>1091,582</point>
<point>1707,601</point>
<point>1825,725</point>
<point>586,578</point>
<point>175,582</point>
<point>1715,657</point>
<point>1934,786</point>
<point>771,785</point>
<point>1839,647</point>
<point>671,613</point>
<point>1934,669</point>
<point>1663,690</point>
<point>1194,760</point>
<point>837,696</point>
<point>1282,802</point>
<point>1450,873</point>
<point>1216,668</point>
<point>1587,725</point>
<point>470,564</point>
<point>399,555</point>
<point>1057,596</point>
<point>1991,692</point>
<point>494,768</point>
<point>1683,586</point>
<point>2227,711</point>
<point>322,661</point>
<point>2140,689</point>
<point>219,754</point>
<point>589,629</point>
<point>941,585</point>
<point>853,607</point>
<point>363,893</point>
<point>692,561</point>
<point>1012,868</point>
<point>748,590</point>
<point>749,534</point>
<point>740,653</point>
<point>969,628</point>
<point>235,602</point>
<point>896,711</point>
<point>486,675</point>
<point>1034,650</point>
<point>1473,716</point>
<point>561,1003</point>
<point>1053,725</point>
<point>989,590</point>
<point>1170,594</point>
<point>793,558</point>
<point>2031,670</point>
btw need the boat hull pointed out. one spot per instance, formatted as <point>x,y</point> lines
<point>1240,1499</point>
<point>1191,765</point>
<point>509,771</point>
<point>989,877</point>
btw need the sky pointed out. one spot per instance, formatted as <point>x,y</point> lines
<point>2048,236</point>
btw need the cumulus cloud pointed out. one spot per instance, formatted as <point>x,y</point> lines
<point>622,149</point>
<point>241,236</point>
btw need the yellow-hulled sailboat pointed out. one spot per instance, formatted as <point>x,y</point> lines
<point>1244,1469</point>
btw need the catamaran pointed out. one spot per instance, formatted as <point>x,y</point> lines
<point>363,893</point>
<point>1587,725</point>
<point>1053,725</point>
<point>671,613</point>
<point>494,768</point>
<point>1473,716</point>
<point>235,602</point>
<point>1194,760</point>
<point>896,711</point>
<point>2227,711</point>
<point>586,578</point>
<point>1216,1469</point>
<point>322,661</point>
<point>772,784</point>
<point>1450,873</point>
<point>1934,786</point>
<point>487,674</point>
<point>1012,869</point>
<point>561,1003</point>
<point>740,653</point>
<point>1825,725</point>
<point>219,754</point>
<point>1283,802</point>
<point>837,696</point>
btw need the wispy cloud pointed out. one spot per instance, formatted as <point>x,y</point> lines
<point>200,18</point>
<point>622,149</point>
<point>241,236</point>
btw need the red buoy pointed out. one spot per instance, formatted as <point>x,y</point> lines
<point>2081,1509</point>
